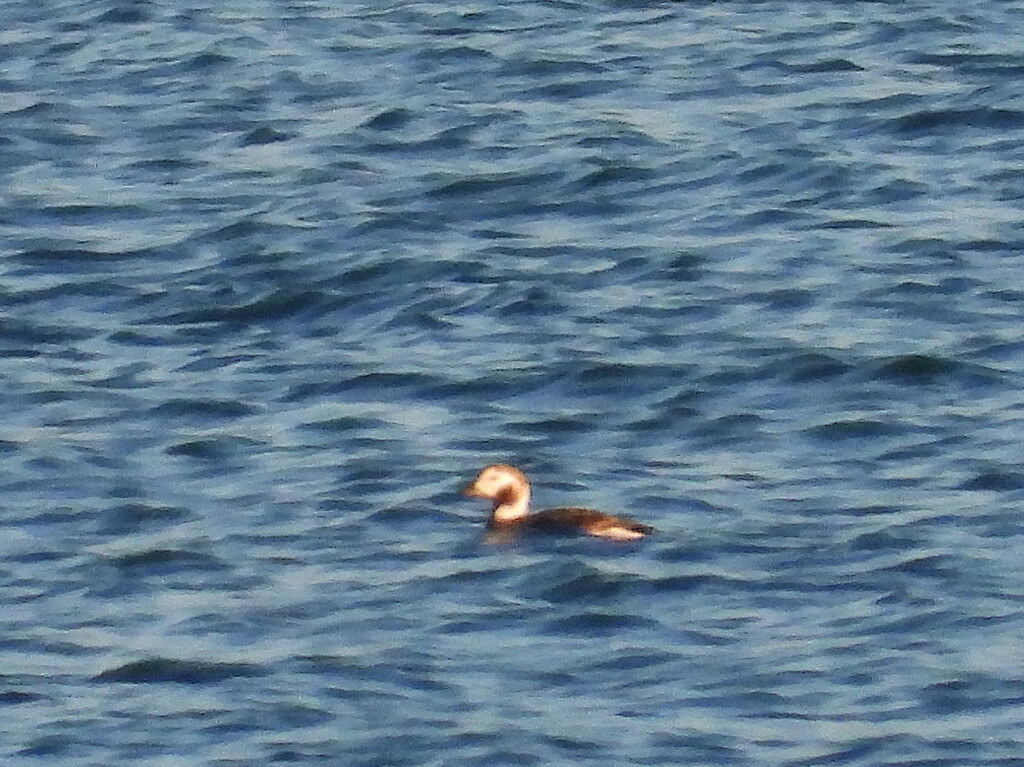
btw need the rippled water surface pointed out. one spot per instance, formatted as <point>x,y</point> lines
<point>277,279</point>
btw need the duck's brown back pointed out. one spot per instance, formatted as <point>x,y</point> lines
<point>589,521</point>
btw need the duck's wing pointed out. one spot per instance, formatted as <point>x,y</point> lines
<point>589,521</point>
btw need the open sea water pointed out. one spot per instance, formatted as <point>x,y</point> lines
<point>278,278</point>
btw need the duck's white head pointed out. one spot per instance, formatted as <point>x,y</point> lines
<point>507,487</point>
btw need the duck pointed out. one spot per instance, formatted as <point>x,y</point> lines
<point>509,489</point>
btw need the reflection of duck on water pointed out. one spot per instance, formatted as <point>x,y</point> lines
<point>509,489</point>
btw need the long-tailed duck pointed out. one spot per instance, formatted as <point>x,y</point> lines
<point>509,489</point>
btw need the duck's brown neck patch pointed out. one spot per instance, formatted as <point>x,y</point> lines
<point>506,496</point>
<point>511,502</point>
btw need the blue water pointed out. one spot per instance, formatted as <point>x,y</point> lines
<point>277,279</point>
